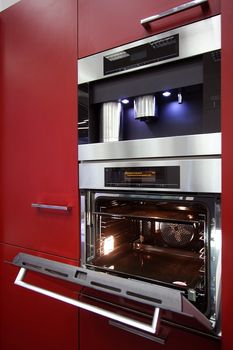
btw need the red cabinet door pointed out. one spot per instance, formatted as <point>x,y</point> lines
<point>105,337</point>
<point>104,24</point>
<point>227,174</point>
<point>30,320</point>
<point>38,52</point>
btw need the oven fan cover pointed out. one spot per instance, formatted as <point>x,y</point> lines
<point>177,235</point>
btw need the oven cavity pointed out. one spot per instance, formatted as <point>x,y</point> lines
<point>156,241</point>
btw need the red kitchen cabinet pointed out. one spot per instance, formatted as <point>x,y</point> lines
<point>30,320</point>
<point>227,174</point>
<point>38,53</point>
<point>105,24</point>
<point>109,337</point>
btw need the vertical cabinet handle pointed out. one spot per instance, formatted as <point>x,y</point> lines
<point>97,310</point>
<point>51,206</point>
<point>173,11</point>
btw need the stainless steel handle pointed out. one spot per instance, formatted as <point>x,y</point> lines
<point>143,326</point>
<point>173,10</point>
<point>51,206</point>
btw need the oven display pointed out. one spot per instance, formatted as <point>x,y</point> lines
<point>155,177</point>
<point>135,176</point>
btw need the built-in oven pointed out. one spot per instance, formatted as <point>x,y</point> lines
<point>157,221</point>
<point>150,185</point>
<point>152,237</point>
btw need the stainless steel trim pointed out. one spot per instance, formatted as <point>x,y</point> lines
<point>187,308</point>
<point>196,175</point>
<point>4,4</point>
<point>84,222</point>
<point>51,206</point>
<point>177,146</point>
<point>173,11</point>
<point>215,269</point>
<point>195,39</point>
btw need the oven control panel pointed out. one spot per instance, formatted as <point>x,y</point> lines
<point>177,175</point>
<point>153,177</point>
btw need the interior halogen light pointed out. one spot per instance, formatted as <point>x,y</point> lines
<point>108,245</point>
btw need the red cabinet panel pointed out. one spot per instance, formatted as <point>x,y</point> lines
<point>109,337</point>
<point>104,24</point>
<point>227,173</point>
<point>30,320</point>
<point>38,50</point>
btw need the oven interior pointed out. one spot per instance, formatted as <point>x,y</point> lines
<point>153,240</point>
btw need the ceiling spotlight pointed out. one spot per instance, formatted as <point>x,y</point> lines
<point>125,101</point>
<point>166,93</point>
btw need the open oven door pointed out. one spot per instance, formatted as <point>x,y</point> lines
<point>159,297</point>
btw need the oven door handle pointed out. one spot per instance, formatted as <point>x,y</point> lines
<point>97,310</point>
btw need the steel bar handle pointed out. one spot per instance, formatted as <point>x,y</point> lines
<point>97,310</point>
<point>173,10</point>
<point>51,206</point>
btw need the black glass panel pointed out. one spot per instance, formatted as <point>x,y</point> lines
<point>157,177</point>
<point>155,51</point>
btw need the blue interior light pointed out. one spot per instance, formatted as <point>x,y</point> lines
<point>166,93</point>
<point>125,101</point>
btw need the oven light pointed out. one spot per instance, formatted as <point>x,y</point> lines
<point>108,245</point>
<point>182,208</point>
